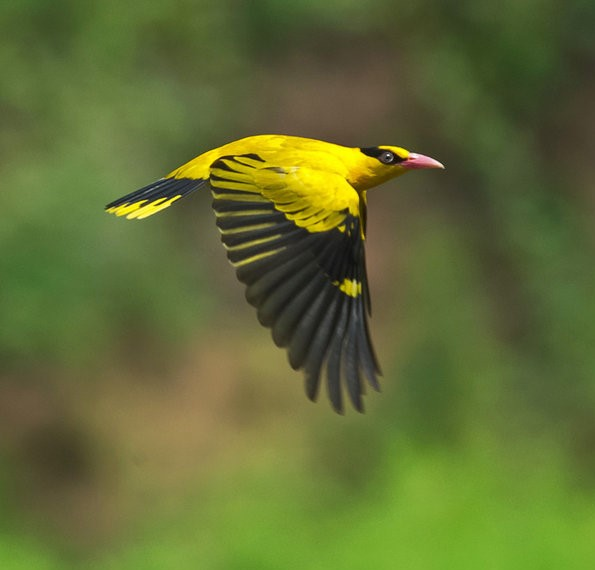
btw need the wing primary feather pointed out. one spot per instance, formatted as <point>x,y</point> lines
<point>368,361</point>
<point>303,335</point>
<point>291,316</point>
<point>265,283</point>
<point>351,356</point>
<point>272,305</point>
<point>313,315</point>
<point>334,358</point>
<point>318,347</point>
<point>346,268</point>
<point>321,349</point>
<point>331,330</point>
<point>342,361</point>
<point>365,283</point>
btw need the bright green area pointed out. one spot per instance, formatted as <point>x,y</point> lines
<point>479,454</point>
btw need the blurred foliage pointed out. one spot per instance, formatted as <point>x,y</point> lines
<point>147,422</point>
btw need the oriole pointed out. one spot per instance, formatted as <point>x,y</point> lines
<point>292,216</point>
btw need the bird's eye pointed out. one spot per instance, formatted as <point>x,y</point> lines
<point>386,157</point>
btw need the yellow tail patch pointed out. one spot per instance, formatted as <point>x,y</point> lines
<point>153,198</point>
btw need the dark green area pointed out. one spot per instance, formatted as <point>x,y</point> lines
<point>145,419</point>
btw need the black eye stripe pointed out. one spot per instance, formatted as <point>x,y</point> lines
<point>376,152</point>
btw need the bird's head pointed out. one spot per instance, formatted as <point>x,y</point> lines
<point>382,163</point>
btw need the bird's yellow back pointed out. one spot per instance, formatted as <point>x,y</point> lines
<point>360,170</point>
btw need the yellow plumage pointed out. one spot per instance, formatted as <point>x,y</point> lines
<point>292,216</point>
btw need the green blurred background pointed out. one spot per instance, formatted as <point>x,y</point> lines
<point>148,422</point>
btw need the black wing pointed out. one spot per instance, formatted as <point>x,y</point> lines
<point>309,287</point>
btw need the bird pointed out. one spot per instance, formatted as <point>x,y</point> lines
<point>291,212</point>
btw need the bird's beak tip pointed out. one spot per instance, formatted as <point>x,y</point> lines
<point>415,160</point>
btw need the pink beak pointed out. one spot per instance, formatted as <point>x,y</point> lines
<point>420,161</point>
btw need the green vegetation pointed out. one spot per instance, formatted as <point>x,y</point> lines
<point>145,419</point>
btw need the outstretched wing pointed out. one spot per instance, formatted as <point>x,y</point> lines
<point>295,237</point>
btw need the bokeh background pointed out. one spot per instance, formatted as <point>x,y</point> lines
<point>148,422</point>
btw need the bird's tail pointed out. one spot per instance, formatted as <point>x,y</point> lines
<point>153,198</point>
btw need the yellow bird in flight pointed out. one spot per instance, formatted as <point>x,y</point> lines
<point>292,217</point>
